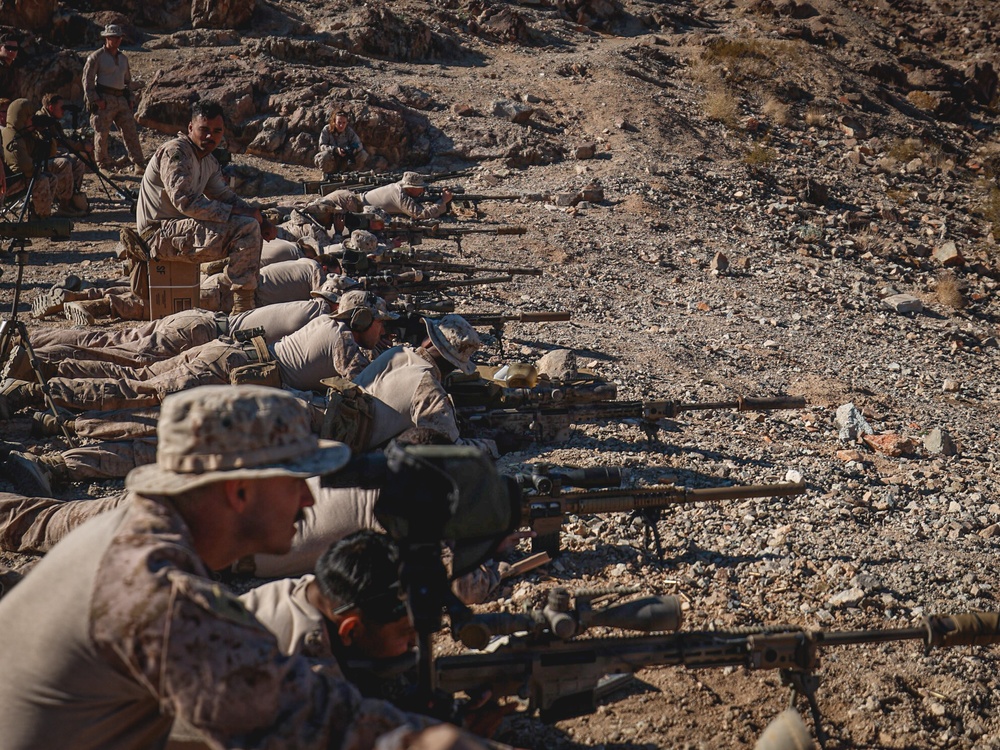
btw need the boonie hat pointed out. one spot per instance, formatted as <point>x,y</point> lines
<point>356,298</point>
<point>113,29</point>
<point>455,339</point>
<point>328,294</point>
<point>362,241</point>
<point>213,433</point>
<point>413,180</point>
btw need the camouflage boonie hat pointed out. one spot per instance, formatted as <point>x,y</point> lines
<point>356,298</point>
<point>455,339</point>
<point>362,241</point>
<point>217,432</point>
<point>328,294</point>
<point>412,180</point>
<point>113,29</point>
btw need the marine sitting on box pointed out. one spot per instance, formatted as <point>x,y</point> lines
<point>187,212</point>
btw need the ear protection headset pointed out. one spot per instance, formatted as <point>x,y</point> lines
<point>362,318</point>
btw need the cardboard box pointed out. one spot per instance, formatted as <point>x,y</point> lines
<point>173,286</point>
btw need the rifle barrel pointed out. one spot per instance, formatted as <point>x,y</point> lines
<point>623,501</point>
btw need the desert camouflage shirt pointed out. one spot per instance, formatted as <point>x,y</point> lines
<point>397,202</point>
<point>179,185</point>
<point>120,629</point>
<point>329,138</point>
<point>406,384</point>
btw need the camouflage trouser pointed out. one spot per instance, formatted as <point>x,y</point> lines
<point>115,387</point>
<point>108,460</point>
<point>72,165</point>
<point>33,525</point>
<point>63,186</point>
<point>329,161</point>
<point>65,349</point>
<point>117,424</point>
<point>116,110</point>
<point>43,194</point>
<point>196,241</point>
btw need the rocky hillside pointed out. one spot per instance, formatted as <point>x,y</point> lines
<point>799,197</point>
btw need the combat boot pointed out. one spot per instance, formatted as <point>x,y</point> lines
<point>54,300</point>
<point>36,475</point>
<point>18,366</point>
<point>86,312</point>
<point>243,301</point>
<point>17,394</point>
<point>133,245</point>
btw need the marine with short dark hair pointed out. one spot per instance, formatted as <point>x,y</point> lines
<point>187,211</point>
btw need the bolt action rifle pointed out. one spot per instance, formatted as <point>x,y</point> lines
<point>390,286</point>
<point>414,232</point>
<point>550,423</point>
<point>411,321</point>
<point>400,261</point>
<point>545,507</point>
<point>559,676</point>
<point>370,179</point>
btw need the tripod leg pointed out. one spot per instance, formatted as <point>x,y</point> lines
<point>22,332</point>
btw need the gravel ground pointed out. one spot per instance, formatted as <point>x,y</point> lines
<point>877,540</point>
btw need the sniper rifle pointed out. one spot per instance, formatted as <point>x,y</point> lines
<point>559,676</point>
<point>390,286</point>
<point>545,507</point>
<point>414,232</point>
<point>411,324</point>
<point>549,423</point>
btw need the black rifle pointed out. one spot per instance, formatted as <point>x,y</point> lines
<point>549,423</point>
<point>411,321</point>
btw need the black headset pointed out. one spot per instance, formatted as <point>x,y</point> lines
<point>362,318</point>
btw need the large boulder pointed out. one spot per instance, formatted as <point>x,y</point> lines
<point>276,111</point>
<point>30,15</point>
<point>221,14</point>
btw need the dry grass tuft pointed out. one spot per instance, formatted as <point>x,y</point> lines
<point>815,118</point>
<point>906,149</point>
<point>951,291</point>
<point>720,106</point>
<point>777,111</point>
<point>759,155</point>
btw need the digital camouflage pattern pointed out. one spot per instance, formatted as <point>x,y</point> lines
<point>189,204</point>
<point>142,635</point>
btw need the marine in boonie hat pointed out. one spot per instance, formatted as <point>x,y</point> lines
<point>412,180</point>
<point>363,241</point>
<point>455,339</point>
<point>215,433</point>
<point>357,299</point>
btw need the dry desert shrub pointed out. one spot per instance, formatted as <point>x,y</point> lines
<point>777,111</point>
<point>759,155</point>
<point>950,291</point>
<point>720,106</point>
<point>815,118</point>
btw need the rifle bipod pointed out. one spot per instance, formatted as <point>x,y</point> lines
<point>805,684</point>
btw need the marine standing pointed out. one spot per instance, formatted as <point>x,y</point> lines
<point>107,86</point>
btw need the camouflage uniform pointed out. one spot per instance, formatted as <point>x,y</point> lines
<point>18,147</point>
<point>324,348</point>
<point>141,634</point>
<point>62,351</point>
<point>107,78</point>
<point>34,525</point>
<point>328,160</point>
<point>185,210</point>
<point>395,201</point>
<point>285,281</point>
<point>406,384</point>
